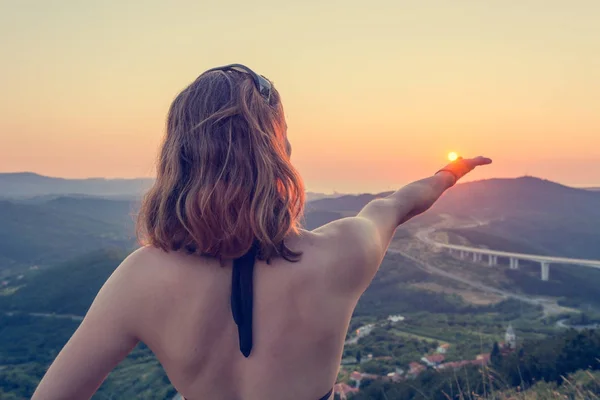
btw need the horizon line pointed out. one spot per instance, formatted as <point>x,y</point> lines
<point>329,192</point>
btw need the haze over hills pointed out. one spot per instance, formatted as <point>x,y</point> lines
<point>525,195</point>
<point>52,230</point>
<point>524,214</point>
<point>48,220</point>
<point>548,217</point>
<point>31,185</point>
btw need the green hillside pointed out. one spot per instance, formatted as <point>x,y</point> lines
<point>68,288</point>
<point>79,241</point>
<point>522,213</point>
<point>545,216</point>
<point>51,231</point>
<point>549,361</point>
<point>574,285</point>
<point>28,345</point>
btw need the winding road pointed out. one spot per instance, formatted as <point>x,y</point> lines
<point>549,306</point>
<point>72,317</point>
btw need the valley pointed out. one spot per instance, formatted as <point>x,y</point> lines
<point>57,250</point>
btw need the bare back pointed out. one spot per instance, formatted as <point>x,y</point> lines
<point>299,329</point>
<point>179,306</point>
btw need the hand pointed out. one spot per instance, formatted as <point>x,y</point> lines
<point>462,166</point>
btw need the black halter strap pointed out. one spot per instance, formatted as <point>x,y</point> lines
<point>242,283</point>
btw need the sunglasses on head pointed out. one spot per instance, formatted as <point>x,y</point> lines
<point>262,84</point>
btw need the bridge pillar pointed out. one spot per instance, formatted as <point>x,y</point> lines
<point>492,260</point>
<point>545,270</point>
<point>514,263</point>
<point>462,254</point>
<point>475,257</point>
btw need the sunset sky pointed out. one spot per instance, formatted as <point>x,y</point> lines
<point>376,93</point>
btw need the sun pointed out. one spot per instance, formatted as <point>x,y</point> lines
<point>452,156</point>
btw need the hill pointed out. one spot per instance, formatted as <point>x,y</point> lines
<point>67,288</point>
<point>529,196</point>
<point>29,184</point>
<point>524,214</point>
<point>348,203</point>
<point>543,216</point>
<point>47,231</point>
<point>321,211</point>
<point>310,196</point>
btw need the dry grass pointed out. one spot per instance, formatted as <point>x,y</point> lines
<point>470,296</point>
<point>582,385</point>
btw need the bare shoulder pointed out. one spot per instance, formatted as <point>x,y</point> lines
<point>146,256</point>
<point>141,266</point>
<point>150,268</point>
<point>351,252</point>
<point>147,279</point>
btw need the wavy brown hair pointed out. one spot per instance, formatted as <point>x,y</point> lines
<point>224,178</point>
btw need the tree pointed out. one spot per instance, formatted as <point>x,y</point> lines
<point>495,355</point>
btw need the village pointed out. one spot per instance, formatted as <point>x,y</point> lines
<point>435,361</point>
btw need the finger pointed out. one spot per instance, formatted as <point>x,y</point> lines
<point>478,161</point>
<point>483,160</point>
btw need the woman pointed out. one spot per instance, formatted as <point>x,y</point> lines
<point>235,300</point>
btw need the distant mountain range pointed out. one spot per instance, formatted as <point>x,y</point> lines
<point>524,214</point>
<point>29,184</point>
<point>51,230</point>
<point>545,217</point>
<point>45,220</point>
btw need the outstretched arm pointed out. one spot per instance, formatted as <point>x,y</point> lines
<point>102,340</point>
<point>362,241</point>
<point>414,199</point>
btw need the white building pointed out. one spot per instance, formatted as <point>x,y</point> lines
<point>443,348</point>
<point>395,318</point>
<point>510,339</point>
<point>364,330</point>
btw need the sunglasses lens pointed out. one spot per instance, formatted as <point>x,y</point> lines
<point>262,84</point>
<point>264,87</point>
